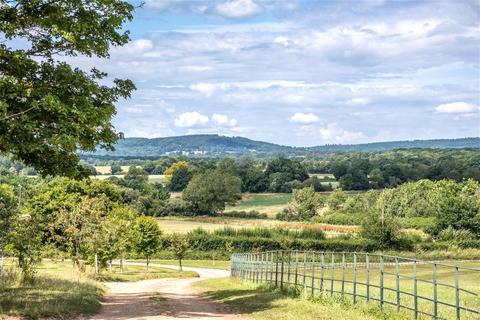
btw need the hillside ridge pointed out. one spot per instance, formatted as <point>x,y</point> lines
<point>218,145</point>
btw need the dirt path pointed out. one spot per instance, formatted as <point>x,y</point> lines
<point>163,299</point>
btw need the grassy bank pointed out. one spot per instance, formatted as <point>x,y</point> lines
<point>60,291</point>
<point>262,303</point>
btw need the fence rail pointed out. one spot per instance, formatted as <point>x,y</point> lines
<point>425,288</point>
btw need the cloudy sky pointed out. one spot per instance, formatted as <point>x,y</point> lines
<point>302,72</point>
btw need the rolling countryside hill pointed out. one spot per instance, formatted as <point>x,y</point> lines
<point>211,145</point>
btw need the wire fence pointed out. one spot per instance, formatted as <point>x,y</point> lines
<point>426,289</point>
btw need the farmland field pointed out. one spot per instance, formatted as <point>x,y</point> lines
<point>184,225</point>
<point>269,203</point>
<point>152,178</point>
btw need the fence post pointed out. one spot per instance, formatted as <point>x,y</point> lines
<point>322,271</point>
<point>397,279</point>
<point>304,269</point>
<point>343,273</point>
<point>276,269</point>
<point>281,270</point>
<point>313,273</point>
<point>415,297</point>
<point>332,273</point>
<point>381,281</point>
<point>367,280</point>
<point>288,267</point>
<point>457,294</point>
<point>354,278</point>
<point>296,267</point>
<point>435,298</point>
<point>261,268</point>
<point>271,268</point>
<point>96,263</point>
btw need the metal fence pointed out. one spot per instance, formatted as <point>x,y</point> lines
<point>424,288</point>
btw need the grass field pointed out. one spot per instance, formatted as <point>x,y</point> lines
<point>184,225</point>
<point>269,203</point>
<point>217,264</point>
<point>262,302</point>
<point>468,280</point>
<point>152,178</point>
<point>137,273</point>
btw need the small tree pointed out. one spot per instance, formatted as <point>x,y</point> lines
<point>147,237</point>
<point>208,192</point>
<point>336,199</point>
<point>179,247</point>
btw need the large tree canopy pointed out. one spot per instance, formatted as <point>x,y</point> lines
<point>49,110</point>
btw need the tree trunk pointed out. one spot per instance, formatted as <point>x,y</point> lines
<point>180,264</point>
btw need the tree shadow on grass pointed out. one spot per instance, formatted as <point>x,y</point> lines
<point>247,300</point>
<point>48,296</point>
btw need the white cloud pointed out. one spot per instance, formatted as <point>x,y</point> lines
<point>456,107</point>
<point>332,133</point>
<point>223,120</point>
<point>191,119</point>
<point>233,9</point>
<point>358,102</point>
<point>300,117</point>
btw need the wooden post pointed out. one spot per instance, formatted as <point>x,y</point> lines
<point>304,269</point>
<point>96,263</point>
<point>354,278</point>
<point>381,281</point>
<point>343,273</point>
<point>332,273</point>
<point>313,273</point>
<point>415,296</point>
<point>435,293</point>
<point>367,280</point>
<point>457,294</point>
<point>276,269</point>
<point>397,279</point>
<point>296,267</point>
<point>282,270</point>
<point>322,270</point>
<point>288,266</point>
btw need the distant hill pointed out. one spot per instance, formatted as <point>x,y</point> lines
<point>211,145</point>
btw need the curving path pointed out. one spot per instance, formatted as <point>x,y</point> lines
<point>163,299</point>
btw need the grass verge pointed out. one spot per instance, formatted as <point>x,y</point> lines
<point>262,303</point>
<point>57,292</point>
<point>137,273</point>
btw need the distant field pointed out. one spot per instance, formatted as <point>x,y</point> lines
<point>269,203</point>
<point>184,225</point>
<point>323,176</point>
<point>103,169</point>
<point>151,178</point>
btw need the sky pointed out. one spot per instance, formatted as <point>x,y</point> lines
<point>299,72</point>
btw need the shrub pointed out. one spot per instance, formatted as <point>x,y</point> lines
<point>287,215</point>
<point>244,214</point>
<point>341,218</point>
<point>454,235</point>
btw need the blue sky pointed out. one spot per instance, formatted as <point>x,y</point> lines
<point>301,72</point>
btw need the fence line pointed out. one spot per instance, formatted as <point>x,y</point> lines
<point>425,288</point>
